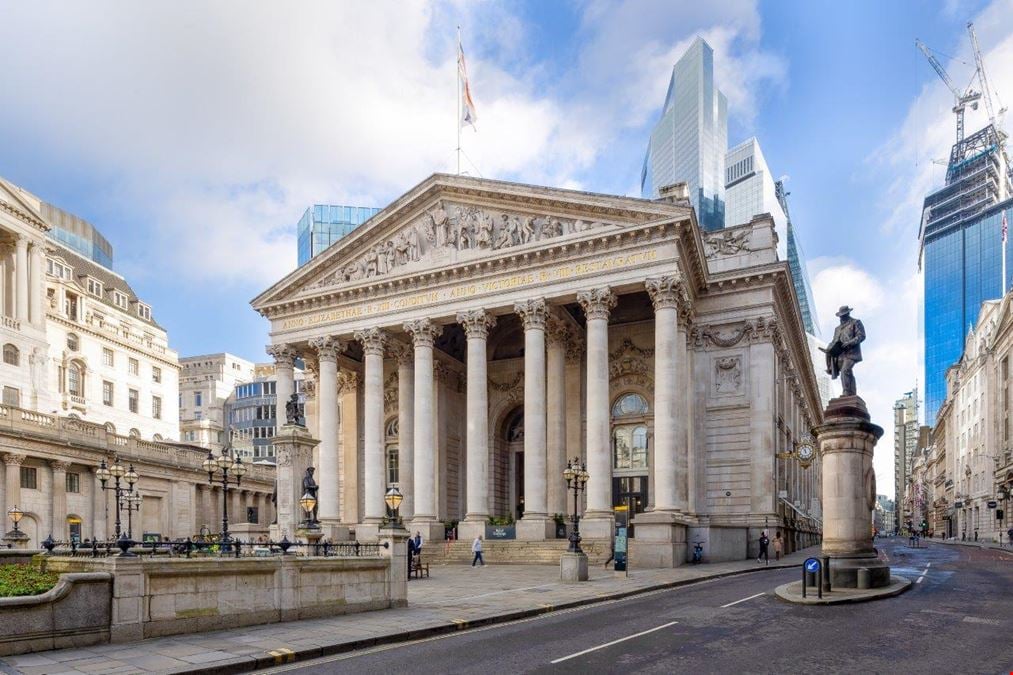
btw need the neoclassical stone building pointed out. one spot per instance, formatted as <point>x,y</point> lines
<point>475,334</point>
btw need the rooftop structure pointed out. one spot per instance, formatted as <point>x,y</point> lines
<point>321,225</point>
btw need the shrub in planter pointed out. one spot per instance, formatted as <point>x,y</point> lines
<point>18,580</point>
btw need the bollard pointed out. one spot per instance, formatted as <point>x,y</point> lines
<point>819,588</point>
<point>863,577</point>
<point>826,573</point>
<point>810,578</point>
<point>803,580</point>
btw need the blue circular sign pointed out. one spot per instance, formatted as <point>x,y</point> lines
<point>812,565</point>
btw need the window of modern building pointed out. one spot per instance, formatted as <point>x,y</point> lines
<point>73,343</point>
<point>156,374</point>
<point>12,396</point>
<point>95,287</point>
<point>12,355</point>
<point>29,478</point>
<point>73,483</point>
<point>107,392</point>
<point>197,398</point>
<point>156,407</point>
<point>133,367</point>
<point>107,357</point>
<point>132,398</point>
<point>75,380</point>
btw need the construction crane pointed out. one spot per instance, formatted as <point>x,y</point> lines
<point>960,99</point>
<point>983,78</point>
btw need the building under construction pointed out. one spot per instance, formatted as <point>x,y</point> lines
<point>962,233</point>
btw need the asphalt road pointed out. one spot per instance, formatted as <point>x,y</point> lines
<point>957,618</point>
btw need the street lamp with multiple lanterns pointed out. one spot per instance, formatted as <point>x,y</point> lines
<point>576,479</point>
<point>119,475</point>
<point>218,469</point>
<point>132,502</point>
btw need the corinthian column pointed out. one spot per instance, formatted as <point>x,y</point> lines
<point>284,365</point>
<point>327,349</point>
<point>535,524</point>
<point>664,294</point>
<point>558,337</point>
<point>23,280</point>
<point>405,426</point>
<point>597,304</point>
<point>38,288</point>
<point>374,343</point>
<point>476,327</point>
<point>423,333</point>
<point>58,524</point>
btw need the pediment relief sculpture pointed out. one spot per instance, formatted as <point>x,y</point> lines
<point>452,231</point>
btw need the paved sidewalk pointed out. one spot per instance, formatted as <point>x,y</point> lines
<point>454,598</point>
<point>1005,548</point>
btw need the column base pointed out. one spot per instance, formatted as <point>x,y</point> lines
<point>845,571</point>
<point>597,525</point>
<point>536,528</point>
<point>432,530</point>
<point>573,568</point>
<point>660,540</point>
<point>467,529</point>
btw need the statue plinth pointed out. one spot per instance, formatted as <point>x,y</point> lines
<point>847,439</point>
<point>294,452</point>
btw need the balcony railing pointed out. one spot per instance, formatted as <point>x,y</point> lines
<point>10,323</point>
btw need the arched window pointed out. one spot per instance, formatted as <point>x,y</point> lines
<point>629,405</point>
<point>134,433</point>
<point>73,344</point>
<point>75,380</point>
<point>12,356</point>
<point>391,451</point>
<point>629,432</point>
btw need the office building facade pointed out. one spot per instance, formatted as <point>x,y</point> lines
<point>961,252</point>
<point>323,224</point>
<point>251,413</point>
<point>206,382</point>
<point>689,141</point>
<point>905,441</point>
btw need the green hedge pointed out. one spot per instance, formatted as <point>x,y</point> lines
<point>18,580</point>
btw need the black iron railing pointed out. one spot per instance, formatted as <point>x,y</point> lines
<point>198,547</point>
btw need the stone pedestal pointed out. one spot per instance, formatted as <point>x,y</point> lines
<point>660,541</point>
<point>310,535</point>
<point>294,451</point>
<point>598,525</point>
<point>847,439</point>
<point>467,530</point>
<point>396,539</point>
<point>573,568</point>
<point>536,529</point>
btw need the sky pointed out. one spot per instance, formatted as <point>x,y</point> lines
<point>194,134</point>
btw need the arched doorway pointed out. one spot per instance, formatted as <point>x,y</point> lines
<point>631,417</point>
<point>508,465</point>
<point>74,528</point>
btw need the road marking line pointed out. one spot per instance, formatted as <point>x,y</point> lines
<point>742,600</point>
<point>928,565</point>
<point>919,580</point>
<point>614,642</point>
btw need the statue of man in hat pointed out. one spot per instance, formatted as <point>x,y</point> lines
<point>845,350</point>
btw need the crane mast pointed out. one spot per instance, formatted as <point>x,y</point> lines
<point>960,99</point>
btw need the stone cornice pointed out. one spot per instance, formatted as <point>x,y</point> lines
<point>81,328</point>
<point>24,216</point>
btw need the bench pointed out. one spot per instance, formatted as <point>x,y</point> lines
<point>418,567</point>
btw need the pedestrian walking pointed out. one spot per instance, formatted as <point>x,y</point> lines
<point>976,534</point>
<point>764,544</point>
<point>778,545</point>
<point>476,548</point>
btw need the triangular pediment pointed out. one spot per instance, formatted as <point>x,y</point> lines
<point>19,204</point>
<point>453,220</point>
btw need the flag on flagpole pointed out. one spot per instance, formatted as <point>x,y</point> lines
<point>467,112</point>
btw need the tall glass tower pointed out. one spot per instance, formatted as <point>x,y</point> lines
<point>689,141</point>
<point>322,225</point>
<point>961,252</point>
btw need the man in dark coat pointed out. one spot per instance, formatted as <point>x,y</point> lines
<point>845,350</point>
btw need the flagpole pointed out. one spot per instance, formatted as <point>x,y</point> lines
<point>459,100</point>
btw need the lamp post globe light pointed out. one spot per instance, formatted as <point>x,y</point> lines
<point>218,469</point>
<point>124,479</point>
<point>393,499</point>
<point>576,477</point>
<point>15,537</point>
<point>132,502</point>
<point>308,502</point>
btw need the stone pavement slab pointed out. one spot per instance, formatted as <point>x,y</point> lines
<point>455,597</point>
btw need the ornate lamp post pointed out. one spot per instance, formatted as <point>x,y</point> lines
<point>393,499</point>
<point>132,502</point>
<point>15,537</point>
<point>120,475</point>
<point>308,503</point>
<point>223,464</point>
<point>576,479</point>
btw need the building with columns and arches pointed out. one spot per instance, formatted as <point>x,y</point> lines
<point>468,339</point>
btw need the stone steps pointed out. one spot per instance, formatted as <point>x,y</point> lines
<point>515,552</point>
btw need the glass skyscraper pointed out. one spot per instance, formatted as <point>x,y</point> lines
<point>961,252</point>
<point>322,225</point>
<point>689,141</point>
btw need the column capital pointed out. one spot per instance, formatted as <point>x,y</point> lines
<point>477,323</point>
<point>374,341</point>
<point>533,313</point>
<point>668,292</point>
<point>327,347</point>
<point>401,351</point>
<point>59,465</point>
<point>597,303</point>
<point>283,354</point>
<point>423,332</point>
<point>13,459</point>
<point>21,242</point>
<point>348,380</point>
<point>557,332</point>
